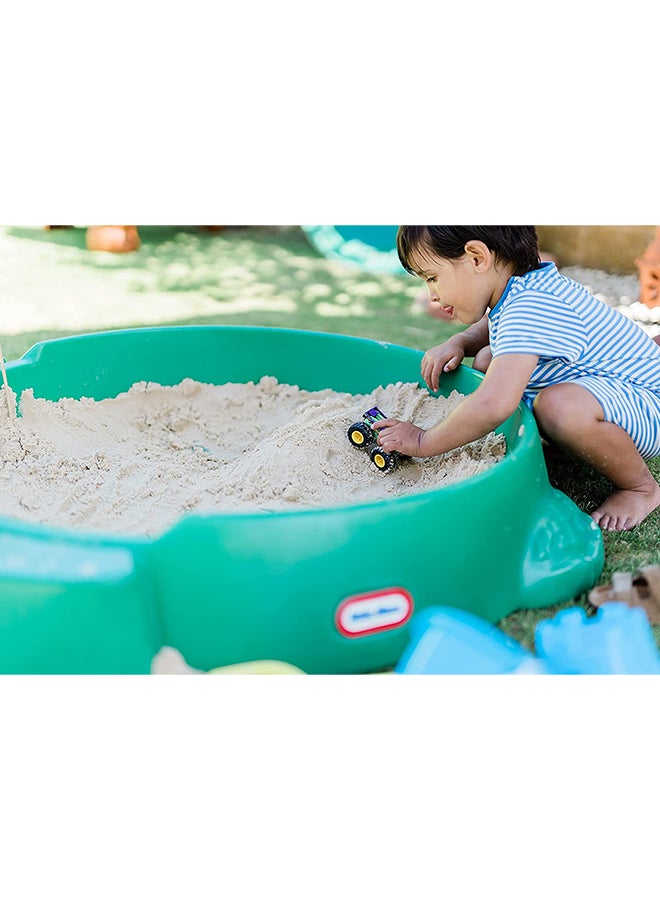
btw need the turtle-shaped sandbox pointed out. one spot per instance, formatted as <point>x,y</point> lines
<point>330,590</point>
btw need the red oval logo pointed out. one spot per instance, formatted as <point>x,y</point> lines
<point>373,612</point>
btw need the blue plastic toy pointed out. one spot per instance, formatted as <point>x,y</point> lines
<point>371,248</point>
<point>616,641</point>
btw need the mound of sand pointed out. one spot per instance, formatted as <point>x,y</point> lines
<point>138,462</point>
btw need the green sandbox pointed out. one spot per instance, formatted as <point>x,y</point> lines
<point>234,587</point>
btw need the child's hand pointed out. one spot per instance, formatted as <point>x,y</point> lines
<point>443,358</point>
<point>400,436</point>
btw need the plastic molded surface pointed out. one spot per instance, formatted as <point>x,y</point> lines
<point>616,641</point>
<point>448,641</point>
<point>370,247</point>
<point>327,590</point>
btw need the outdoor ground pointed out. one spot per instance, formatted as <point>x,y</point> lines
<point>52,286</point>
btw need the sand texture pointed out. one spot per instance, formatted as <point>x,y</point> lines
<point>138,462</point>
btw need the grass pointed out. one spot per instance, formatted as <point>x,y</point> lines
<point>54,287</point>
<point>245,276</point>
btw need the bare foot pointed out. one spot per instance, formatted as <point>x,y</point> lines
<point>113,238</point>
<point>624,510</point>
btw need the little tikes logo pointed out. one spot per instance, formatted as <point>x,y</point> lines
<point>376,611</point>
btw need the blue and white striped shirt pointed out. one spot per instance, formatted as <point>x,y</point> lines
<point>572,332</point>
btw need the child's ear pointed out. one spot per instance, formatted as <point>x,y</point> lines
<point>479,255</point>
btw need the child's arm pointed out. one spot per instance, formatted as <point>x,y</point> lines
<point>448,356</point>
<point>494,400</point>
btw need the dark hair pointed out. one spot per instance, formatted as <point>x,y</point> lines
<point>517,244</point>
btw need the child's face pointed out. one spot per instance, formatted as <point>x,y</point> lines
<point>463,287</point>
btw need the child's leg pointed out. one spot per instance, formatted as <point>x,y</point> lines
<point>573,418</point>
<point>483,359</point>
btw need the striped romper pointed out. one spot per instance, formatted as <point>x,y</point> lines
<point>581,339</point>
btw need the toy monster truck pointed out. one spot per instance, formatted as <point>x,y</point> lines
<point>362,436</point>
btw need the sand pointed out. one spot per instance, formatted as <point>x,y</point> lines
<point>138,462</point>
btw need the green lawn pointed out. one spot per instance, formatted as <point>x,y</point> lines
<point>53,286</point>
